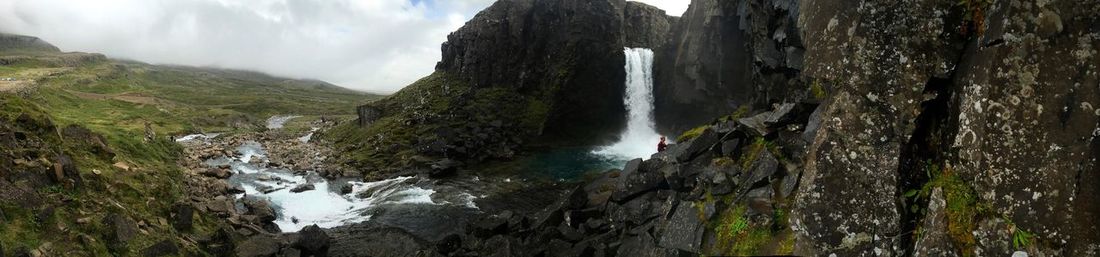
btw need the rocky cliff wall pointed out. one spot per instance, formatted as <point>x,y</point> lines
<point>725,55</point>
<point>521,72</point>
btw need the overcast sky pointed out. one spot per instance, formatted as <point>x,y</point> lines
<point>371,45</point>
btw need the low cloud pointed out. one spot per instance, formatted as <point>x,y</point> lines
<point>370,45</point>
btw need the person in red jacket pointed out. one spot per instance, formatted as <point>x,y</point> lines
<point>662,145</point>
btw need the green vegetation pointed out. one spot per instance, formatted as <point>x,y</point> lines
<point>817,90</point>
<point>115,101</point>
<point>692,134</point>
<point>440,102</point>
<point>1021,238</point>
<point>962,208</point>
<point>739,236</point>
<point>753,152</point>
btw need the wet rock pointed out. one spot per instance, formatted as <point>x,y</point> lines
<point>259,207</point>
<point>258,246</point>
<point>346,189</point>
<point>490,226</point>
<point>217,173</point>
<point>120,231</point>
<point>684,230</point>
<point>302,188</point>
<point>237,189</point>
<point>162,248</point>
<point>313,240</point>
<point>444,167</point>
<point>449,244</point>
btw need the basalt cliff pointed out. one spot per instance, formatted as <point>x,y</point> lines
<point>855,128</point>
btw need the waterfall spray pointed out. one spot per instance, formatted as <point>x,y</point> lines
<point>640,138</point>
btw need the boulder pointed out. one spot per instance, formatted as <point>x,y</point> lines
<point>313,240</point>
<point>182,217</point>
<point>730,146</point>
<point>302,188</point>
<point>258,246</point>
<point>443,168</point>
<point>66,172</point>
<point>346,189</point>
<point>632,184</point>
<point>696,146</point>
<point>761,124</point>
<point>762,169</point>
<point>684,230</point>
<point>120,231</point>
<point>163,248</point>
<point>261,208</point>
<point>217,173</point>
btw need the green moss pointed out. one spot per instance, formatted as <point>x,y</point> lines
<point>691,134</point>
<point>817,90</point>
<point>722,161</point>
<point>737,236</point>
<point>962,210</point>
<point>752,152</point>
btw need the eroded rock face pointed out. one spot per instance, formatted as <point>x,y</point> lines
<point>700,71</point>
<point>1029,107</point>
<point>725,55</point>
<point>567,53</point>
<point>880,54</point>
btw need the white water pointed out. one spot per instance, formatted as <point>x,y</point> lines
<point>323,205</point>
<point>277,122</point>
<point>191,137</point>
<point>640,138</point>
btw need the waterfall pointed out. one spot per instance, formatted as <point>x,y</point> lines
<point>640,138</point>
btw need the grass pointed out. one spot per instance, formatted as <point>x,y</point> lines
<point>116,100</point>
<point>438,102</point>
<point>738,236</point>
<point>962,210</point>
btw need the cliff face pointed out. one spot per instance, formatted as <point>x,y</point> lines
<point>521,72</point>
<point>990,103</point>
<point>725,55</point>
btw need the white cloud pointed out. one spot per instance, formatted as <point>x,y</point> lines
<point>374,45</point>
<point>671,7</point>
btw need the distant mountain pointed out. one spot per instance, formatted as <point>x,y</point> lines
<point>12,42</point>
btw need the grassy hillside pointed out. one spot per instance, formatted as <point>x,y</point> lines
<point>56,107</point>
